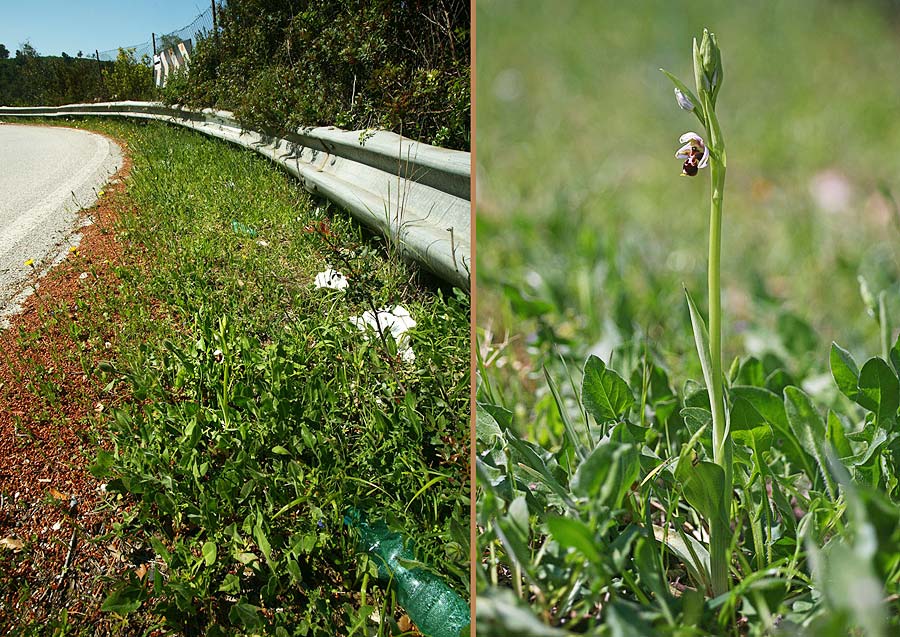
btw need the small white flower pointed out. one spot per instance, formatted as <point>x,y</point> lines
<point>694,152</point>
<point>218,355</point>
<point>683,100</point>
<point>331,279</point>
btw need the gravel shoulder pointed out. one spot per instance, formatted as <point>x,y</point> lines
<point>53,555</point>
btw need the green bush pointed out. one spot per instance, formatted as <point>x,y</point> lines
<point>130,78</point>
<point>384,64</point>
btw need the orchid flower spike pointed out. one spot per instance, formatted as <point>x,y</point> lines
<point>694,152</point>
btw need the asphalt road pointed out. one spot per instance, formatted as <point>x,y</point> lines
<point>46,176</point>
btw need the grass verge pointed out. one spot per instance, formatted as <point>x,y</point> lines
<point>243,413</point>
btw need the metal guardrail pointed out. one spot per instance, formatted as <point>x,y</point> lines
<point>415,194</point>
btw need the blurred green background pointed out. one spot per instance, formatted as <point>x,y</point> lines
<point>586,231</point>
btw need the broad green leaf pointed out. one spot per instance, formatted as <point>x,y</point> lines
<point>879,391</point>
<point>501,416</point>
<point>575,534</point>
<point>808,426</point>
<point>101,466</point>
<point>487,426</point>
<point>778,380</point>
<point>125,599</point>
<point>231,585</point>
<point>704,488</point>
<point>695,419</point>
<point>748,426</point>
<point>245,615</point>
<point>835,434</point>
<point>607,473</point>
<point>771,407</point>
<point>209,553</point>
<point>701,339</point>
<point>895,355</point>
<point>281,451</point>
<point>605,395</point>
<point>751,372</point>
<point>844,371</point>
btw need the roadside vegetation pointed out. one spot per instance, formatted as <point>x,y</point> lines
<point>400,66</point>
<point>652,465</point>
<point>244,412</point>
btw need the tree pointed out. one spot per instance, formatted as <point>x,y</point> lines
<point>27,51</point>
<point>130,78</point>
<point>4,52</point>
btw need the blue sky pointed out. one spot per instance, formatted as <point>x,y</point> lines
<point>54,26</point>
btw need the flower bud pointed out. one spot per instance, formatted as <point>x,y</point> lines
<point>683,100</point>
<point>710,65</point>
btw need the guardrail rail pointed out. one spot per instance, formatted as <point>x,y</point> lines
<point>415,194</point>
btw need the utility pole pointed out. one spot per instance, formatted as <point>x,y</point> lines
<point>153,35</point>
<point>100,71</point>
<point>215,24</point>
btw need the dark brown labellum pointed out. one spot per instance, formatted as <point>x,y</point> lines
<point>690,167</point>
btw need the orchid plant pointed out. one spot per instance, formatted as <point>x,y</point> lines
<point>698,153</point>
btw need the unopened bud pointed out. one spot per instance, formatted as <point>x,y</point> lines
<point>683,100</point>
<point>710,61</point>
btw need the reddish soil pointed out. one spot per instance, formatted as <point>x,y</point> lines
<point>54,555</point>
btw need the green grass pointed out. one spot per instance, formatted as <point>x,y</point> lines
<point>247,413</point>
<point>596,480</point>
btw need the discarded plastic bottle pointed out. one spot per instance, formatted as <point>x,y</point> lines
<point>435,608</point>
<point>242,228</point>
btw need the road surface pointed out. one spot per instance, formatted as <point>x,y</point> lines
<point>47,175</point>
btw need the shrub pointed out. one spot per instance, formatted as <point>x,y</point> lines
<point>383,64</point>
<point>130,78</point>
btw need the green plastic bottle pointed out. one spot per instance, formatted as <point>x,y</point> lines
<point>435,608</point>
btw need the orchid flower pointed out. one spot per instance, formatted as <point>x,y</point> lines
<point>694,152</point>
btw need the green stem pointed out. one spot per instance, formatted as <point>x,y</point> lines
<point>720,530</point>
